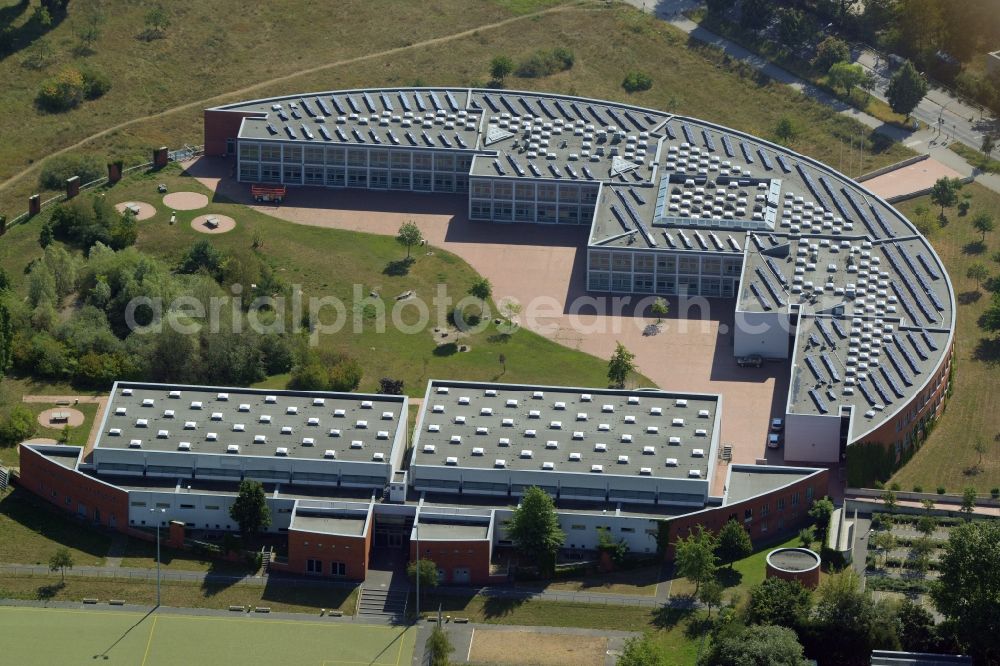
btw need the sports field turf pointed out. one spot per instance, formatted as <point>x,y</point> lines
<point>67,636</point>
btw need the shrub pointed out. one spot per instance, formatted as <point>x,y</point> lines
<point>941,490</point>
<point>62,92</point>
<point>544,63</point>
<point>95,83</point>
<point>895,487</point>
<point>995,493</point>
<point>918,488</point>
<point>57,169</point>
<point>637,81</point>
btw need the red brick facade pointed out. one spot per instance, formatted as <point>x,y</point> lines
<point>222,125</point>
<point>778,512</point>
<point>809,578</point>
<point>455,557</point>
<point>73,492</point>
<point>311,553</point>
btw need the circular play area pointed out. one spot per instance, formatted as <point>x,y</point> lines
<point>185,200</point>
<point>141,209</point>
<point>57,417</point>
<point>213,223</point>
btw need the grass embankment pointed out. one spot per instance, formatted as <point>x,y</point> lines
<point>948,458</point>
<point>976,157</point>
<point>30,533</point>
<point>607,40</point>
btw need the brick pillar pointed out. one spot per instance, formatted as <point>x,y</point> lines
<point>160,157</point>
<point>72,187</point>
<point>34,204</point>
<point>176,538</point>
<point>114,172</point>
<point>3,224</point>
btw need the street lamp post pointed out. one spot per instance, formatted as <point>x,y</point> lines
<point>153,511</point>
<point>416,530</point>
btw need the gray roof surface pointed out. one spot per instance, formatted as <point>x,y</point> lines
<point>452,531</point>
<point>564,421</point>
<point>746,482</point>
<point>236,416</point>
<point>350,526</point>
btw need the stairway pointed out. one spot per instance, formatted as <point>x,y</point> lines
<point>386,603</point>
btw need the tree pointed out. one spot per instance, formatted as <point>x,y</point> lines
<point>621,365</point>
<point>409,235</point>
<point>509,310</point>
<point>831,50</point>
<point>785,603</point>
<point>427,572</point>
<point>906,88</point>
<point>710,594</point>
<point>481,289</point>
<point>983,223</point>
<point>641,651</point>
<point>990,320</point>
<point>884,541</point>
<point>968,588</point>
<point>845,75</point>
<point>637,82</point>
<point>944,193</point>
<point>820,511</point>
<point>968,501</point>
<point>45,235</point>
<point>916,627</point>
<point>500,68</point>
<point>534,528</point>
<point>616,550</point>
<point>889,499</point>
<point>438,647</point>
<point>920,553</point>
<point>719,6</point>
<point>926,525</point>
<point>6,339</point>
<point>694,557</point>
<point>988,144</point>
<point>794,27</point>
<point>19,426</point>
<point>250,510</point>
<point>756,646</point>
<point>977,272</point>
<point>89,31</point>
<point>807,535</point>
<point>980,447</point>
<point>157,22</point>
<point>734,542</point>
<point>61,560</point>
<point>660,309</point>
<point>755,14</point>
<point>785,130</point>
<point>845,618</point>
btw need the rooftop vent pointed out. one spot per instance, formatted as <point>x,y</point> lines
<point>115,432</point>
<point>460,420</point>
<point>361,424</point>
<point>700,432</point>
<point>534,414</point>
<point>694,473</point>
<point>259,439</point>
<point>603,427</point>
<point>148,402</point>
<point>286,430</point>
<point>378,456</point>
<point>319,402</point>
<point>499,462</point>
<point>463,400</point>
<point>552,444</point>
<point>585,397</point>
<point>607,408</point>
<point>239,427</point>
<point>555,425</point>
<point>703,413</point>
<point>648,450</point>
<point>196,404</point>
<point>512,403</point>
<point>270,399</point>
<point>626,437</point>
<point>656,411</point>
<point>387,416</point>
<point>168,413</point>
<point>652,430</point>
<point>486,411</point>
<point>291,409</point>
<point>308,441</point>
<point>581,416</point>
<point>671,462</point>
<point>503,441</point>
<point>676,441</point>
<point>141,423</point>
<point>312,421</point>
<point>577,434</point>
<point>438,409</point>
<point>135,444</point>
<point>212,437</point>
<point>538,395</point>
<point>339,413</point>
<point>366,404</point>
<point>216,416</point>
<point>126,391</point>
<point>507,422</point>
<point>560,405</point>
<point>174,394</point>
<point>477,451</point>
<point>265,418</point>
<point>698,453</point>
<point>233,448</point>
<point>329,453</point>
<point>482,430</point>
<point>244,407</point>
<point>429,448</point>
<point>433,427</point>
<point>456,439</point>
<point>548,465</point>
<point>357,444</point>
<point>677,422</point>
<point>190,425</point>
<point>630,419</point>
<point>633,400</point>
<point>597,468</point>
<point>281,451</point>
<point>184,446</point>
<point>600,447</point>
<point>120,411</point>
<point>490,393</point>
<point>575,457</point>
<point>529,433</point>
<point>622,460</point>
<point>162,434</point>
<point>526,453</point>
<point>442,389</point>
<point>680,402</point>
<point>646,471</point>
<point>334,432</point>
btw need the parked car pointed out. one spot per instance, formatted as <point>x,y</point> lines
<point>751,361</point>
<point>774,440</point>
<point>777,425</point>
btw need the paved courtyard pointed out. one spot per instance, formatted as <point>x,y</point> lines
<point>543,268</point>
<point>912,178</point>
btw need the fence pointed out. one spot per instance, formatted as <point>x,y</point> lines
<point>179,155</point>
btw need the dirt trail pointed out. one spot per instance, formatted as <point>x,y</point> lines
<point>208,101</point>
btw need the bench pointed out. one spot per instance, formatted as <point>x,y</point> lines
<point>460,620</point>
<point>262,609</point>
<point>59,417</point>
<point>116,602</point>
<point>90,600</point>
<point>212,223</point>
<point>336,613</point>
<point>238,609</point>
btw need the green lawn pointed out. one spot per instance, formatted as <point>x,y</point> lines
<point>948,458</point>
<point>30,533</point>
<point>640,582</point>
<point>162,639</point>
<point>142,554</point>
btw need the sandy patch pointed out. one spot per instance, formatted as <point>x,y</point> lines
<point>222,224</point>
<point>146,210</point>
<point>528,648</point>
<point>185,200</point>
<point>74,418</point>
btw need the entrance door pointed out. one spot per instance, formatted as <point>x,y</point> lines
<point>461,575</point>
<point>230,146</point>
<point>395,539</point>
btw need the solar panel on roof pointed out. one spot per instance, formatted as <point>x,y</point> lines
<point>840,329</point>
<point>296,114</point>
<point>305,132</point>
<point>636,218</point>
<point>392,137</point>
<point>427,138</point>
<point>554,171</point>
<point>528,106</point>
<point>869,225</point>
<point>499,167</point>
<point>418,98</point>
<point>904,374</point>
<point>765,160</point>
<point>764,302</point>
<point>597,116</point>
<point>460,141</point>
<point>435,101</point>
<point>880,389</point>
<point>709,141</point>
<point>776,269</point>
<point>670,131</point>
<point>892,382</point>
<point>444,140</point>
<point>323,107</point>
<point>927,266</point>
<point>412,139</point>
<point>452,102</point>
<point>811,362</point>
<point>369,102</point>
<point>514,163</point>
<point>271,129</point>
<point>889,231</point>
<point>386,102</point>
<point>340,134</point>
<point>632,119</point>
<point>305,107</point>
<point>833,196</point>
<point>569,170</point>
<point>290,132</point>
<point>865,392</point>
<point>905,302</point>
<point>637,196</point>
<point>282,114</point>
<point>621,218</point>
<point>687,133</point>
<point>545,109</point>
<point>491,104</point>
<point>534,169</point>
<point>586,172</point>
<point>375,137</point>
<point>824,331</point>
<point>507,103</point>
<point>352,104</point>
<point>830,367</point>
<point>783,163</point>
<point>811,184</point>
<point>562,110</point>
<point>747,155</point>
<point>727,146</point>
<point>614,116</point>
<point>358,135</point>
<point>578,111</point>
<point>818,399</point>
<point>336,105</point>
<point>775,292</point>
<point>325,133</point>
<point>916,347</point>
<point>404,101</point>
<point>929,341</point>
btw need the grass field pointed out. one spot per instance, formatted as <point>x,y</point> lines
<point>532,649</point>
<point>164,639</point>
<point>640,582</point>
<point>253,46</point>
<point>947,458</point>
<point>31,533</point>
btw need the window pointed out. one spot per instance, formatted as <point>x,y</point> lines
<point>809,494</point>
<point>163,505</point>
<point>764,510</point>
<point>748,514</point>
<point>314,566</point>
<point>131,503</point>
<point>763,526</point>
<point>628,530</point>
<point>781,504</point>
<point>578,527</point>
<point>795,499</point>
<point>211,507</point>
<point>338,569</point>
<point>187,506</point>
